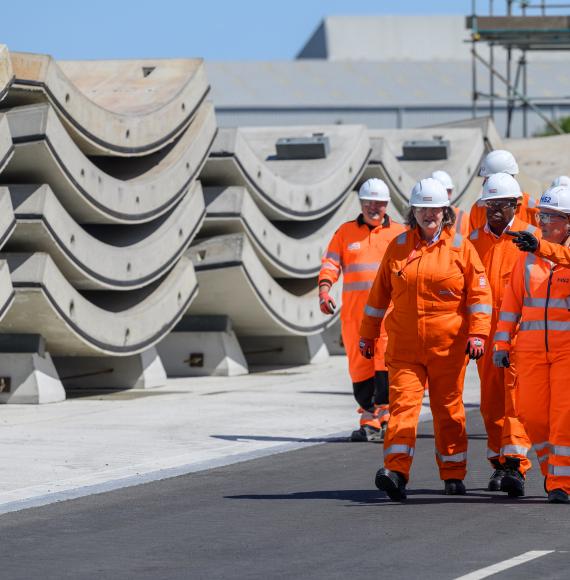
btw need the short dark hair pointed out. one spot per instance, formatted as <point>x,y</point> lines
<point>448,218</point>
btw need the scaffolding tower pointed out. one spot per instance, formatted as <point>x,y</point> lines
<point>517,33</point>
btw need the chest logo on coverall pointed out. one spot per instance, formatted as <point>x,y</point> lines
<point>354,246</point>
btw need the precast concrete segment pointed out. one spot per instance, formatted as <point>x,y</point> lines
<point>128,258</point>
<point>6,145</point>
<point>233,280</point>
<point>6,72</point>
<point>123,323</point>
<point>7,219</point>
<point>289,189</point>
<point>232,210</point>
<point>7,293</point>
<point>45,153</point>
<point>126,108</point>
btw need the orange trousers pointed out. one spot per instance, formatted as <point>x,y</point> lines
<point>506,436</point>
<point>361,368</point>
<point>544,408</point>
<point>407,385</point>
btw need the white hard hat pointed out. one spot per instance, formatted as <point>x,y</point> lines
<point>444,178</point>
<point>556,198</point>
<point>429,193</point>
<point>561,180</point>
<point>499,161</point>
<point>374,189</point>
<point>499,186</point>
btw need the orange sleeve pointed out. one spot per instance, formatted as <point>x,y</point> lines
<point>554,252</point>
<point>378,300</point>
<point>479,296</point>
<point>474,217</point>
<point>511,308</point>
<point>331,261</point>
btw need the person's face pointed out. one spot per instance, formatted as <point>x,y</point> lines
<point>554,225</point>
<point>500,212</point>
<point>373,212</point>
<point>429,218</point>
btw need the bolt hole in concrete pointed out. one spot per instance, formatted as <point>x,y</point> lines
<point>269,292</point>
<point>72,239</point>
<point>183,107</point>
<point>67,97</point>
<point>129,267</point>
<point>137,199</point>
<point>308,256</point>
<point>71,308</point>
<point>147,70</point>
<point>201,255</point>
<point>128,133</point>
<point>180,233</point>
<point>308,201</point>
<point>179,296</point>
<point>259,174</point>
<point>188,166</point>
<point>264,234</point>
<point>127,333</point>
<point>99,180</point>
<point>82,173</point>
<point>278,249</point>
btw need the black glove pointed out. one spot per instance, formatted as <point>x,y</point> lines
<point>525,241</point>
<point>501,359</point>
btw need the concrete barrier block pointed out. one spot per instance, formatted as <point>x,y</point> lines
<point>284,350</point>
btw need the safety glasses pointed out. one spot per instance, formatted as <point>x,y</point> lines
<point>500,205</point>
<point>548,218</point>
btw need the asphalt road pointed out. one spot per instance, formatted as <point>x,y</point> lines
<point>311,513</point>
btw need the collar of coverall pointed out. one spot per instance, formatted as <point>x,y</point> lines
<point>385,224</point>
<point>443,234</point>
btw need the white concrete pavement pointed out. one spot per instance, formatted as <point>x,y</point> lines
<point>107,441</point>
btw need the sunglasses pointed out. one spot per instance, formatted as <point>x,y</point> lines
<point>500,205</point>
<point>547,218</point>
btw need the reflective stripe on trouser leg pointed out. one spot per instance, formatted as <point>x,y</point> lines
<point>406,393</point>
<point>533,401</point>
<point>445,392</point>
<point>559,461</point>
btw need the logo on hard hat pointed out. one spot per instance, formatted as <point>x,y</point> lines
<point>426,198</point>
<point>545,199</point>
<point>492,190</point>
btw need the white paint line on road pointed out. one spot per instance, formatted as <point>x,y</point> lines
<point>505,565</point>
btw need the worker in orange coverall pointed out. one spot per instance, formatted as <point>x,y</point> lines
<point>536,310</point>
<point>501,161</point>
<point>507,441</point>
<point>442,308</point>
<point>461,217</point>
<point>356,251</point>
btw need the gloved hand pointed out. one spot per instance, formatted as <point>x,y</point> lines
<point>326,302</point>
<point>366,346</point>
<point>475,347</point>
<point>525,241</point>
<point>501,359</point>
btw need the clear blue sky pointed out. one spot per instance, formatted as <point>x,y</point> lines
<point>213,29</point>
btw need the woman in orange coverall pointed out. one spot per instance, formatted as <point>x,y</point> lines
<point>356,250</point>
<point>442,313</point>
<point>535,309</point>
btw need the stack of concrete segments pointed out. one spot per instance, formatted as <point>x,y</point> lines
<point>101,199</point>
<point>269,220</point>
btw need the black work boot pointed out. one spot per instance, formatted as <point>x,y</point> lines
<point>391,482</point>
<point>368,433</point>
<point>513,480</point>
<point>558,496</point>
<point>454,487</point>
<point>496,476</point>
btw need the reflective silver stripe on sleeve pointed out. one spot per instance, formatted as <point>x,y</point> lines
<point>541,303</point>
<point>485,308</point>
<point>372,266</point>
<point>460,215</point>
<point>457,241</point>
<point>333,256</point>
<point>541,446</point>
<point>563,470</point>
<point>502,337</point>
<point>401,239</point>
<point>514,450</point>
<point>330,266</point>
<point>541,325</point>
<point>562,450</point>
<point>354,286</point>
<point>474,235</point>
<point>491,453</point>
<point>455,458</point>
<point>509,316</point>
<point>398,448</point>
<point>374,312</point>
<point>530,229</point>
<point>530,260</point>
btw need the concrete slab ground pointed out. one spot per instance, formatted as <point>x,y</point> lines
<point>106,441</point>
<point>128,107</point>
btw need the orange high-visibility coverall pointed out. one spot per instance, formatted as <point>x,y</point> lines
<point>538,298</point>
<point>505,434</point>
<point>356,250</point>
<point>441,296</point>
<point>527,212</point>
<point>461,221</point>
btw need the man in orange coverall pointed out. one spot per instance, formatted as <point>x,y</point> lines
<point>536,310</point>
<point>501,161</point>
<point>507,442</point>
<point>461,217</point>
<point>356,250</point>
<point>442,304</point>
